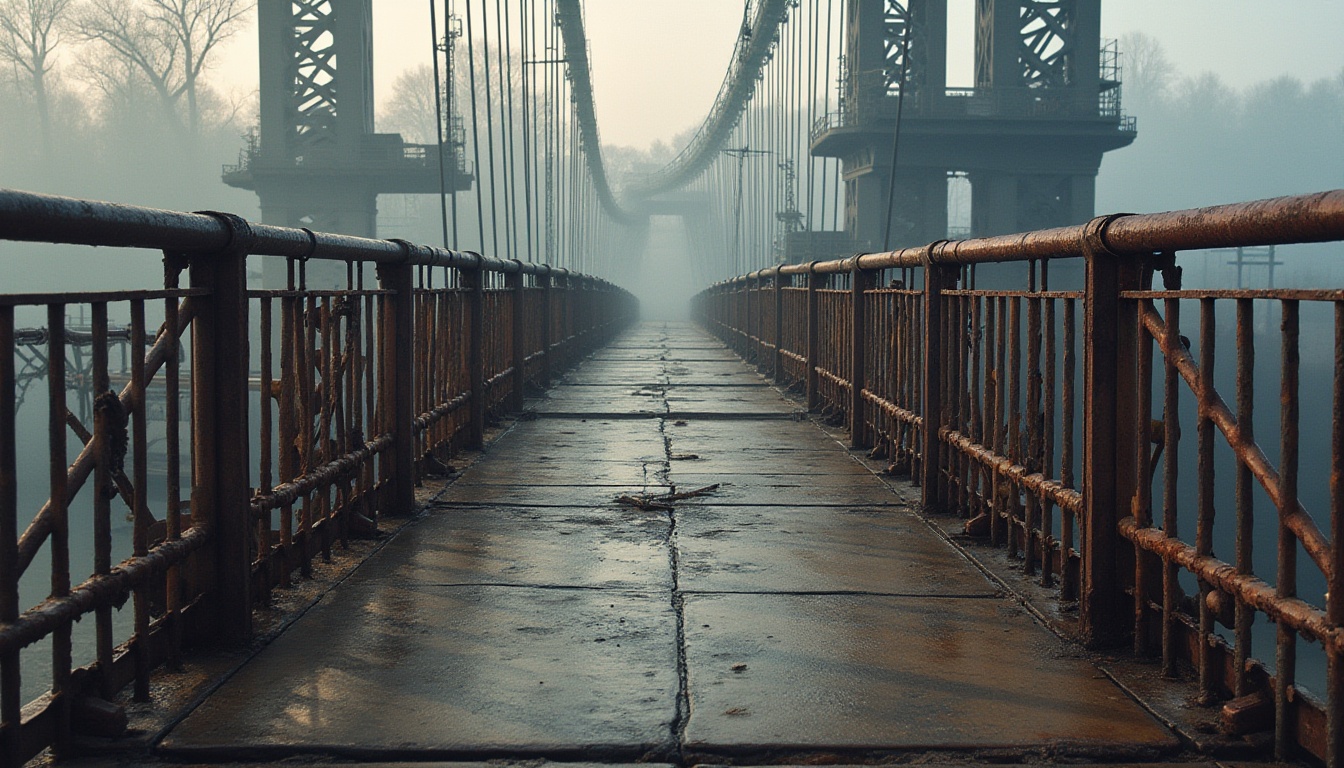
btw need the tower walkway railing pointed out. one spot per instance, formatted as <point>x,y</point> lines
<point>1100,439</point>
<point>244,437</point>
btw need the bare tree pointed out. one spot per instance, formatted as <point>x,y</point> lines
<point>1148,71</point>
<point>169,41</point>
<point>410,110</point>
<point>29,36</point>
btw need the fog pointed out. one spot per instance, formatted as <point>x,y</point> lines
<point>114,132</point>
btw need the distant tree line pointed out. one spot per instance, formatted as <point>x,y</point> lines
<point>1202,142</point>
<point>112,97</point>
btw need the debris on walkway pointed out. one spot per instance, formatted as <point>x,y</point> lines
<point>664,502</point>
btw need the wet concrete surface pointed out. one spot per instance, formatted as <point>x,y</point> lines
<point>799,608</point>
<point>875,673</point>
<point>765,549</point>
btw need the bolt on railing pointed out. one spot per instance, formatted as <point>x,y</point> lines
<point>359,393</point>
<point>976,393</point>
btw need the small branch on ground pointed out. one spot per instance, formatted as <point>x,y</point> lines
<point>662,502</point>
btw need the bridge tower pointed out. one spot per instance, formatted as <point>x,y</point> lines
<point>1029,135</point>
<point>316,160</point>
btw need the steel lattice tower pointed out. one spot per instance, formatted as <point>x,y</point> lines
<point>1029,135</point>
<point>316,161</point>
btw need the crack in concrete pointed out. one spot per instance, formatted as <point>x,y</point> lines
<point>683,711</point>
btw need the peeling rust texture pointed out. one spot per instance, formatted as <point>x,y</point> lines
<point>336,365</point>
<point>994,460</point>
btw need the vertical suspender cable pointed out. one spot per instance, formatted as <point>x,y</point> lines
<point>450,81</point>
<point>840,192</point>
<point>438,120</point>
<point>812,105</point>
<point>475,131</point>
<point>524,19</point>
<point>536,136</point>
<point>506,155</point>
<point>826,113</point>
<point>490,132</point>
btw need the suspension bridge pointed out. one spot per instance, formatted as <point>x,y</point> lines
<point>907,488</point>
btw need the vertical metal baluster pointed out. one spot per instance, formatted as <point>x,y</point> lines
<point>1285,586</point>
<point>1171,588</point>
<point>901,456</point>
<point>1032,460</point>
<point>1002,526</point>
<point>172,383</point>
<point>356,388</point>
<point>965,465</point>
<point>1069,583</point>
<point>916,381</point>
<point>421,394</point>
<point>346,342</point>
<point>286,464</point>
<point>443,362</point>
<point>1334,729</point>
<point>10,690</point>
<point>102,496</point>
<point>890,329</point>
<point>140,517</point>
<point>371,363</point>
<point>1014,419</point>
<point>1208,672</point>
<point>59,546</point>
<point>1245,500</point>
<point>976,397</point>
<point>338,357</point>
<point>304,333</point>
<point>948,460</point>
<point>326,433</point>
<point>265,546</point>
<point>1048,565</point>
<point>1143,482</point>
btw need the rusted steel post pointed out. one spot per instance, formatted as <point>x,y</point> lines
<point>517,285</point>
<point>748,328</point>
<point>937,278</point>
<point>761,361</point>
<point>813,348</point>
<point>1334,601</point>
<point>547,366</point>
<point>777,359</point>
<point>220,442</point>
<point>397,382</point>
<point>474,280</point>
<point>1109,453</point>
<point>860,281</point>
<point>1285,581</point>
<point>11,702</point>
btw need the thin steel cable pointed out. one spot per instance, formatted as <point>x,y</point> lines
<point>490,132</point>
<point>528,109</point>
<point>503,59</point>
<point>438,120</point>
<point>475,131</point>
<point>450,59</point>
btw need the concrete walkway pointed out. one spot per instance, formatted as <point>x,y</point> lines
<point>800,610</point>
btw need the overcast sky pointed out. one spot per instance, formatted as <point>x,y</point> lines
<point>657,64</point>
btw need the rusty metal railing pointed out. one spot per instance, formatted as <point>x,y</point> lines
<point>357,394</point>
<point>1036,414</point>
